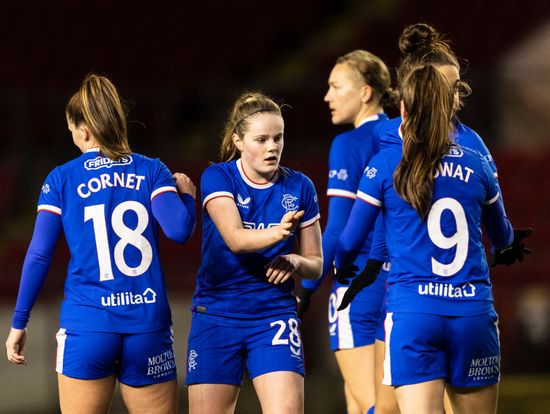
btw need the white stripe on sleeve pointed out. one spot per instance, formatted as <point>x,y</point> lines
<point>369,199</point>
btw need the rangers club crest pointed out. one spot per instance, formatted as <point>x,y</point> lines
<point>289,202</point>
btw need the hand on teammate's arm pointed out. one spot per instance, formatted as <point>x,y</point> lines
<point>184,184</point>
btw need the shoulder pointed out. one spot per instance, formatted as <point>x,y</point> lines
<point>294,177</point>
<point>220,169</point>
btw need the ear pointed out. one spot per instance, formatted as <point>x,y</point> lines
<point>366,93</point>
<point>84,132</point>
<point>238,142</point>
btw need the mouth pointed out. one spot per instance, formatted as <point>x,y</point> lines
<point>271,159</point>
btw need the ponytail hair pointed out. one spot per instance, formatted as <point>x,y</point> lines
<point>238,122</point>
<point>98,106</point>
<point>428,101</point>
<point>374,72</point>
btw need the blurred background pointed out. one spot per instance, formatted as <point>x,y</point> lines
<point>180,65</point>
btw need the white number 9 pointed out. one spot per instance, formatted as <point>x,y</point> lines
<point>460,239</point>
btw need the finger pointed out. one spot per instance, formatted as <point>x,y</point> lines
<point>283,277</point>
<point>284,271</point>
<point>527,250</point>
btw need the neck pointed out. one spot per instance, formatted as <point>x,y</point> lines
<point>365,113</point>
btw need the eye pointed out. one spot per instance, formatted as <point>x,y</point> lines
<point>278,138</point>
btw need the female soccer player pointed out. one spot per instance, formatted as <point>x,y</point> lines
<point>359,88</point>
<point>434,195</point>
<point>420,44</point>
<point>115,317</point>
<point>244,312</point>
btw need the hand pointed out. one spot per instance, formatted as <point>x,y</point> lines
<point>289,222</point>
<point>343,276</point>
<point>282,268</point>
<point>515,252</point>
<point>304,297</point>
<point>15,346</point>
<point>185,185</point>
<point>363,279</point>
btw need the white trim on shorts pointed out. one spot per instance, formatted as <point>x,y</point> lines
<point>388,326</point>
<point>345,333</point>
<point>61,337</point>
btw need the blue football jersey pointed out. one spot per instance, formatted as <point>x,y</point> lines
<point>114,279</point>
<point>235,285</point>
<point>349,154</point>
<point>438,264</point>
<point>388,134</point>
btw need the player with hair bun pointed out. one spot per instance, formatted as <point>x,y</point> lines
<point>434,194</point>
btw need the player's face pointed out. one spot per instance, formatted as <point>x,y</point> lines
<point>262,145</point>
<point>344,94</point>
<point>453,77</point>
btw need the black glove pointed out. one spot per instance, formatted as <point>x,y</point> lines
<point>363,279</point>
<point>343,276</point>
<point>515,252</point>
<point>304,297</point>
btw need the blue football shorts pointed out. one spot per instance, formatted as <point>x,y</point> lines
<point>462,350</point>
<point>136,359</point>
<point>220,348</point>
<point>358,324</point>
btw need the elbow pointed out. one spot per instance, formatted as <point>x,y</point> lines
<point>235,247</point>
<point>181,234</point>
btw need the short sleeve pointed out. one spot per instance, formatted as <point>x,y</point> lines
<point>309,203</point>
<point>164,181</point>
<point>372,183</point>
<point>215,183</point>
<point>50,193</point>
<point>345,169</point>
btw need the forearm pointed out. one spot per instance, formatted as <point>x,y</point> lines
<point>310,266</point>
<point>241,240</point>
<point>35,268</point>
<point>175,214</point>
<point>498,226</point>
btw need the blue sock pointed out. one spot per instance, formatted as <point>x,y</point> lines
<point>371,410</point>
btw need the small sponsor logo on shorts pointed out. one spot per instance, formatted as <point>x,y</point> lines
<point>447,290</point>
<point>161,365</point>
<point>192,360</point>
<point>484,368</point>
<point>129,298</point>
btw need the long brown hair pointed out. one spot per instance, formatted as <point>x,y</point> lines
<point>98,106</point>
<point>428,101</point>
<point>248,104</point>
<point>421,44</point>
<point>374,72</point>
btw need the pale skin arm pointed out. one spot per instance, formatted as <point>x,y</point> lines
<point>226,218</point>
<point>308,263</point>
<point>15,346</point>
